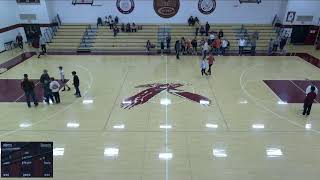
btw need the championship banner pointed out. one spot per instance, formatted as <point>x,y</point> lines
<point>125,6</point>
<point>207,6</point>
<point>166,8</point>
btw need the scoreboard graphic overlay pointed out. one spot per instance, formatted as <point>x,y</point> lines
<point>26,159</point>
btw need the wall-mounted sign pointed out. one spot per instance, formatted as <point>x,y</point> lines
<point>166,8</point>
<point>207,6</point>
<point>290,16</point>
<point>125,6</point>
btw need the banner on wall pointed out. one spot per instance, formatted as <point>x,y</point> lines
<point>125,6</point>
<point>166,8</point>
<point>206,6</point>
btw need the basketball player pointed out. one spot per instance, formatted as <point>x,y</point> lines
<point>76,83</point>
<point>63,80</point>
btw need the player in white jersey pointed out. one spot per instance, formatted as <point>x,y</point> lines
<point>63,80</point>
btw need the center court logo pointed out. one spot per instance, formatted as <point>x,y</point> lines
<point>156,88</point>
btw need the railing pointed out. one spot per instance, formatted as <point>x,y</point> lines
<point>85,36</point>
<point>163,33</point>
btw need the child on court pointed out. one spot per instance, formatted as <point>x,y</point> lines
<point>76,83</point>
<point>203,66</point>
<point>308,101</point>
<point>55,87</point>
<point>210,62</point>
<point>63,80</point>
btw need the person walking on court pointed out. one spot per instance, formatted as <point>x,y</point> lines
<point>168,41</point>
<point>177,48</point>
<point>308,101</point>
<point>19,41</point>
<point>45,82</point>
<point>197,25</point>
<point>205,49</point>
<point>203,66</point>
<point>28,87</point>
<point>242,43</point>
<point>207,29</point>
<point>161,47</point>
<point>76,83</point>
<point>55,87</point>
<point>63,80</point>
<point>210,62</point>
<point>43,45</point>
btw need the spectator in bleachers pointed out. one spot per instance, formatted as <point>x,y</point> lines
<point>123,28</point>
<point>162,47</point>
<point>19,41</point>
<point>43,43</point>
<point>211,38</point>
<point>224,46</point>
<point>194,45</point>
<point>196,20</point>
<point>177,48</point>
<point>275,45</point>
<point>115,30</point>
<point>207,29</point>
<point>217,45</point>
<point>190,21</point>
<point>183,45</point>
<point>202,30</point>
<point>99,22</point>
<point>283,43</point>
<point>242,44</point>
<point>220,34</point>
<point>189,47</point>
<point>253,41</point>
<point>270,46</point>
<point>148,47</point>
<point>106,21</point>
<point>205,49</point>
<point>168,41</point>
<point>134,27</point>
<point>197,26</point>
<point>111,24</point>
<point>36,43</point>
<point>128,27</point>
<point>116,20</point>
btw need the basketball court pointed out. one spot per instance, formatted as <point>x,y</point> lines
<point>249,126</point>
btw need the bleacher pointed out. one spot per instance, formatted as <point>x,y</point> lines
<point>68,37</point>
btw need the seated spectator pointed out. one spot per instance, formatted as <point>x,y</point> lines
<point>134,27</point>
<point>202,30</point>
<point>123,28</point>
<point>128,28</point>
<point>116,20</point>
<point>190,21</point>
<point>115,30</point>
<point>220,34</point>
<point>99,22</point>
<point>194,44</point>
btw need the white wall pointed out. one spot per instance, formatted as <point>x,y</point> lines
<point>303,8</point>
<point>227,11</point>
<point>40,10</point>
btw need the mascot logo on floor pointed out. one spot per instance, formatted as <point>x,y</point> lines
<point>166,8</point>
<point>207,6</point>
<point>156,88</point>
<point>125,6</point>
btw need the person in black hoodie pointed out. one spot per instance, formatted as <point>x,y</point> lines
<point>207,29</point>
<point>76,84</point>
<point>177,47</point>
<point>28,87</point>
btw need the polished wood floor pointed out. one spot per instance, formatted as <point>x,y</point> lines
<point>246,132</point>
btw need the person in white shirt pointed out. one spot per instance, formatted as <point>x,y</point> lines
<point>242,43</point>
<point>63,80</point>
<point>55,87</point>
<point>224,46</point>
<point>203,66</point>
<point>205,49</point>
<point>308,90</point>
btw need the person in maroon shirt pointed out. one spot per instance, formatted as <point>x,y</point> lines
<point>308,101</point>
<point>210,62</point>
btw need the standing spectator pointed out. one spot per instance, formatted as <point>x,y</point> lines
<point>162,47</point>
<point>148,47</point>
<point>308,101</point>
<point>197,25</point>
<point>217,45</point>
<point>28,87</point>
<point>116,20</point>
<point>190,21</point>
<point>183,45</point>
<point>134,27</point>
<point>107,21</point>
<point>36,44</point>
<point>210,62</point>
<point>207,29</point>
<point>63,80</point>
<point>177,48</point>
<point>128,28</point>
<point>308,90</point>
<point>253,42</point>
<point>168,40</point>
<point>205,49</point>
<point>99,22</point>
<point>196,20</point>
<point>212,37</point>
<point>202,30</point>
<point>45,82</point>
<point>115,30</point>
<point>123,27</point>
<point>283,43</point>
<point>275,45</point>
<point>189,47</point>
<point>203,66</point>
<point>19,41</point>
<point>194,45</point>
<point>55,87</point>
<point>224,46</point>
<point>111,23</point>
<point>43,45</point>
<point>242,44</point>
<point>270,46</point>
<point>220,34</point>
<point>76,83</point>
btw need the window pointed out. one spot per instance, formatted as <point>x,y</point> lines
<point>28,1</point>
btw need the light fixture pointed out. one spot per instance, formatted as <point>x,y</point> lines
<point>220,153</point>
<point>58,151</point>
<point>308,126</point>
<point>111,152</point>
<point>165,156</point>
<point>204,102</point>
<point>165,126</point>
<point>274,152</point>
<point>118,126</point>
<point>165,101</point>
<point>73,125</point>
<point>208,125</point>
<point>87,101</point>
<point>258,126</point>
